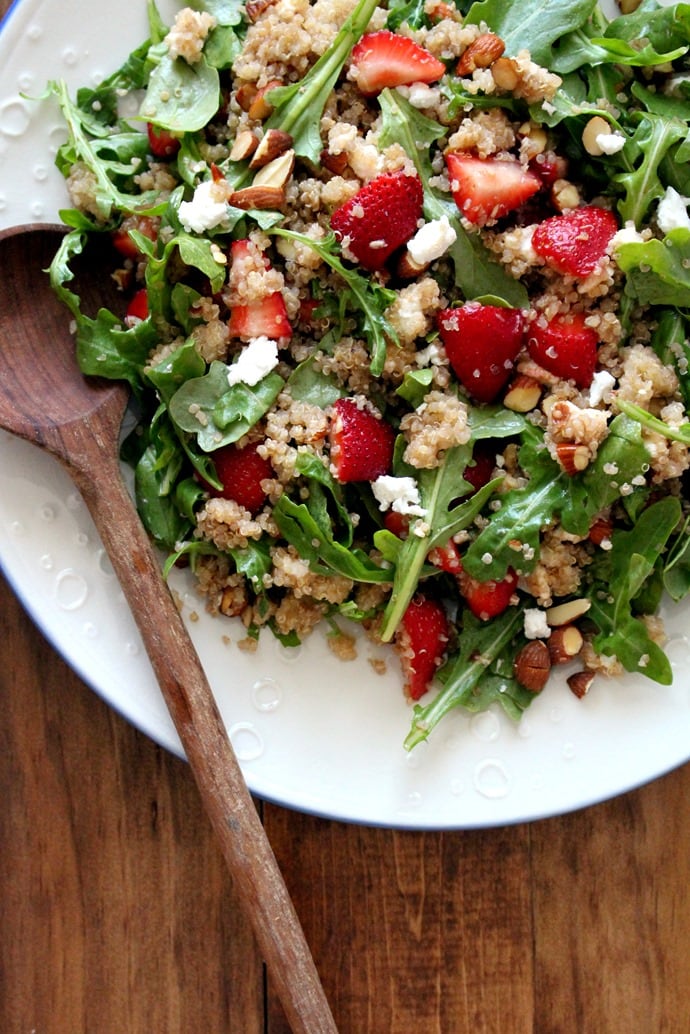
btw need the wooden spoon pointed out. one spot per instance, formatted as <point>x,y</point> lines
<point>45,399</point>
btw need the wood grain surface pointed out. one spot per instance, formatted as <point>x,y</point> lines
<point>117,916</point>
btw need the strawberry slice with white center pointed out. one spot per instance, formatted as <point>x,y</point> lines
<point>482,343</point>
<point>385,59</point>
<point>485,189</point>
<point>421,642</point>
<point>575,242</point>
<point>381,217</point>
<point>361,442</point>
<point>565,346</point>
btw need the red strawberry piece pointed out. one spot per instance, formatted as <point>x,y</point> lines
<point>421,640</point>
<point>162,142</point>
<point>361,443</point>
<point>446,557</point>
<point>138,308</point>
<point>487,599</point>
<point>382,59</point>
<point>549,167</point>
<point>397,523</point>
<point>565,346</point>
<point>575,242</point>
<point>241,471</point>
<point>267,317</point>
<point>485,189</point>
<point>480,470</point>
<point>381,217</point>
<point>482,343</point>
<point>122,240</point>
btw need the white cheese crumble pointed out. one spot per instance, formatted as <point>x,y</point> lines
<point>610,143</point>
<point>672,211</point>
<point>420,95</point>
<point>602,381</point>
<point>398,494</point>
<point>207,209</point>
<point>431,241</point>
<point>626,235</point>
<point>255,361</point>
<point>535,624</point>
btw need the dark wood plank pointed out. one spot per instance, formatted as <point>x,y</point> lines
<point>116,910</point>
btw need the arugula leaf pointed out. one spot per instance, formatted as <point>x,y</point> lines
<point>535,26</point>
<point>155,476</point>
<point>298,108</point>
<point>363,296</point>
<point>657,270</point>
<point>630,562</point>
<point>676,573</point>
<point>481,645</point>
<point>180,97</point>
<point>654,135</point>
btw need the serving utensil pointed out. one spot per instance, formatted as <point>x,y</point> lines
<point>46,400</point>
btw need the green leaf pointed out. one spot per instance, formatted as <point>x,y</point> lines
<point>181,97</point>
<point>218,414</point>
<point>534,26</point>
<point>657,270</point>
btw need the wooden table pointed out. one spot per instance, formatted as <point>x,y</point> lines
<point>116,916</point>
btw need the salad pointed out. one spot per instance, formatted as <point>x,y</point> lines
<point>404,312</point>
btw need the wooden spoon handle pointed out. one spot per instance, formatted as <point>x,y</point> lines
<point>257,877</point>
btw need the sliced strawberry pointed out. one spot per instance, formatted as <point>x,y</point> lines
<point>575,242</point>
<point>479,472</point>
<point>162,142</point>
<point>267,317</point>
<point>122,240</point>
<point>381,217</point>
<point>485,189</point>
<point>397,523</point>
<point>565,346</point>
<point>241,471</point>
<point>361,443</point>
<point>549,167</point>
<point>446,557</point>
<point>138,308</point>
<point>382,59</point>
<point>487,599</point>
<point>482,343</point>
<point>421,641</point>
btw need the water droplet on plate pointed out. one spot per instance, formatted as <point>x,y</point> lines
<point>246,741</point>
<point>47,512</point>
<point>491,779</point>
<point>47,562</point>
<point>568,751</point>
<point>71,589</point>
<point>267,694</point>
<point>90,630</point>
<point>485,726</point>
<point>14,118</point>
<point>132,649</point>
<point>34,32</point>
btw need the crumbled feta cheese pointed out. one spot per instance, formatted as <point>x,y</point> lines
<point>610,143</point>
<point>602,381</point>
<point>431,241</point>
<point>626,235</point>
<point>420,95</point>
<point>398,494</point>
<point>256,360</point>
<point>207,209</point>
<point>535,624</point>
<point>672,211</point>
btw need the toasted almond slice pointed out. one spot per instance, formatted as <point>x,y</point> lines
<point>573,457</point>
<point>277,172</point>
<point>566,613</point>
<point>274,143</point>
<point>244,145</point>
<point>580,682</point>
<point>523,394</point>
<point>565,643</point>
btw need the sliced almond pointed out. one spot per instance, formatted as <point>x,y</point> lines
<point>566,613</point>
<point>257,196</point>
<point>274,143</point>
<point>244,146</point>
<point>260,108</point>
<point>277,172</point>
<point>564,644</point>
<point>505,73</point>
<point>255,8</point>
<point>335,163</point>
<point>573,458</point>
<point>407,268</point>
<point>523,394</point>
<point>596,127</point>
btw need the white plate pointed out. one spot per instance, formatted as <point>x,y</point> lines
<point>311,732</point>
